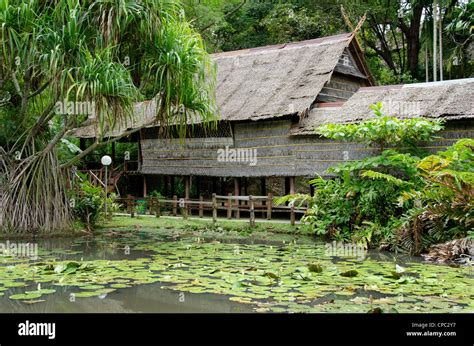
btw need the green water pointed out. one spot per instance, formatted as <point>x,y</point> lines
<point>171,271</point>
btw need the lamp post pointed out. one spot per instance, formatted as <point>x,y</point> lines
<point>106,161</point>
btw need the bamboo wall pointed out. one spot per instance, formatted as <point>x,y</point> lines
<point>278,154</point>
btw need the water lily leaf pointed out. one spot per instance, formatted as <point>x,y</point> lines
<point>42,291</point>
<point>11,284</point>
<point>87,294</point>
<point>272,275</point>
<point>120,286</point>
<point>315,268</point>
<point>91,287</point>
<point>25,296</point>
<point>350,273</point>
<point>395,275</point>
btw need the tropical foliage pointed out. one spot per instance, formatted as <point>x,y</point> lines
<point>65,61</point>
<point>396,199</point>
<point>88,204</point>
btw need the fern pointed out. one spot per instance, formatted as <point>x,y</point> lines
<point>382,176</point>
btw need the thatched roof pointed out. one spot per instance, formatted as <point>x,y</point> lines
<point>452,99</point>
<point>260,83</point>
<point>270,82</point>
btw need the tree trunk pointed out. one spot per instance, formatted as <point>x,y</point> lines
<point>412,34</point>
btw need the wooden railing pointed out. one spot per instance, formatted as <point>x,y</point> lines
<point>233,205</point>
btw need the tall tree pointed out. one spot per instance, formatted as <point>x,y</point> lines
<point>64,61</point>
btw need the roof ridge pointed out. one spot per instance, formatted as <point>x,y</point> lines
<point>314,41</point>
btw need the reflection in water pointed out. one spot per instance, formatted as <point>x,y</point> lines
<point>145,298</point>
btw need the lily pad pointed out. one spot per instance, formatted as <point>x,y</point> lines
<point>350,273</point>
<point>25,296</point>
<point>315,268</point>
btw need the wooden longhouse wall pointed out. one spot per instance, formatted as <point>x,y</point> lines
<point>278,153</point>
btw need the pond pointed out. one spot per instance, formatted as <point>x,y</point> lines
<point>162,270</point>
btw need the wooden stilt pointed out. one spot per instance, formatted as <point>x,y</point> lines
<point>263,192</point>
<point>229,206</point>
<point>269,206</point>
<point>201,206</point>
<point>292,185</point>
<point>252,211</point>
<point>214,208</point>
<point>187,188</point>
<point>237,193</point>
<point>175,205</point>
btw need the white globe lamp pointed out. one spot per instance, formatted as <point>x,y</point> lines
<point>106,160</point>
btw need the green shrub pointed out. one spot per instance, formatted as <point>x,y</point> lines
<point>140,207</point>
<point>88,204</point>
<point>396,199</point>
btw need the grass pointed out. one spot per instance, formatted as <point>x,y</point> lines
<point>241,227</point>
<point>229,228</point>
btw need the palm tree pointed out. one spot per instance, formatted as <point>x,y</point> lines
<point>106,54</point>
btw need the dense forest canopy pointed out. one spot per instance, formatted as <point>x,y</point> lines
<point>397,36</point>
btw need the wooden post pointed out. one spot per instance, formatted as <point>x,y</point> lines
<point>214,208</point>
<point>263,192</point>
<point>229,206</point>
<point>144,186</point>
<point>157,208</point>
<point>292,213</point>
<point>175,205</point>
<point>187,187</point>
<point>237,194</point>
<point>172,185</point>
<point>201,206</point>
<point>292,185</point>
<point>269,206</point>
<point>149,205</point>
<point>131,205</point>
<point>252,212</point>
<point>184,211</point>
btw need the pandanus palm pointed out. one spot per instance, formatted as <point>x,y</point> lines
<point>107,53</point>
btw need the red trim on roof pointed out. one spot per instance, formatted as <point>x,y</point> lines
<point>330,104</point>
